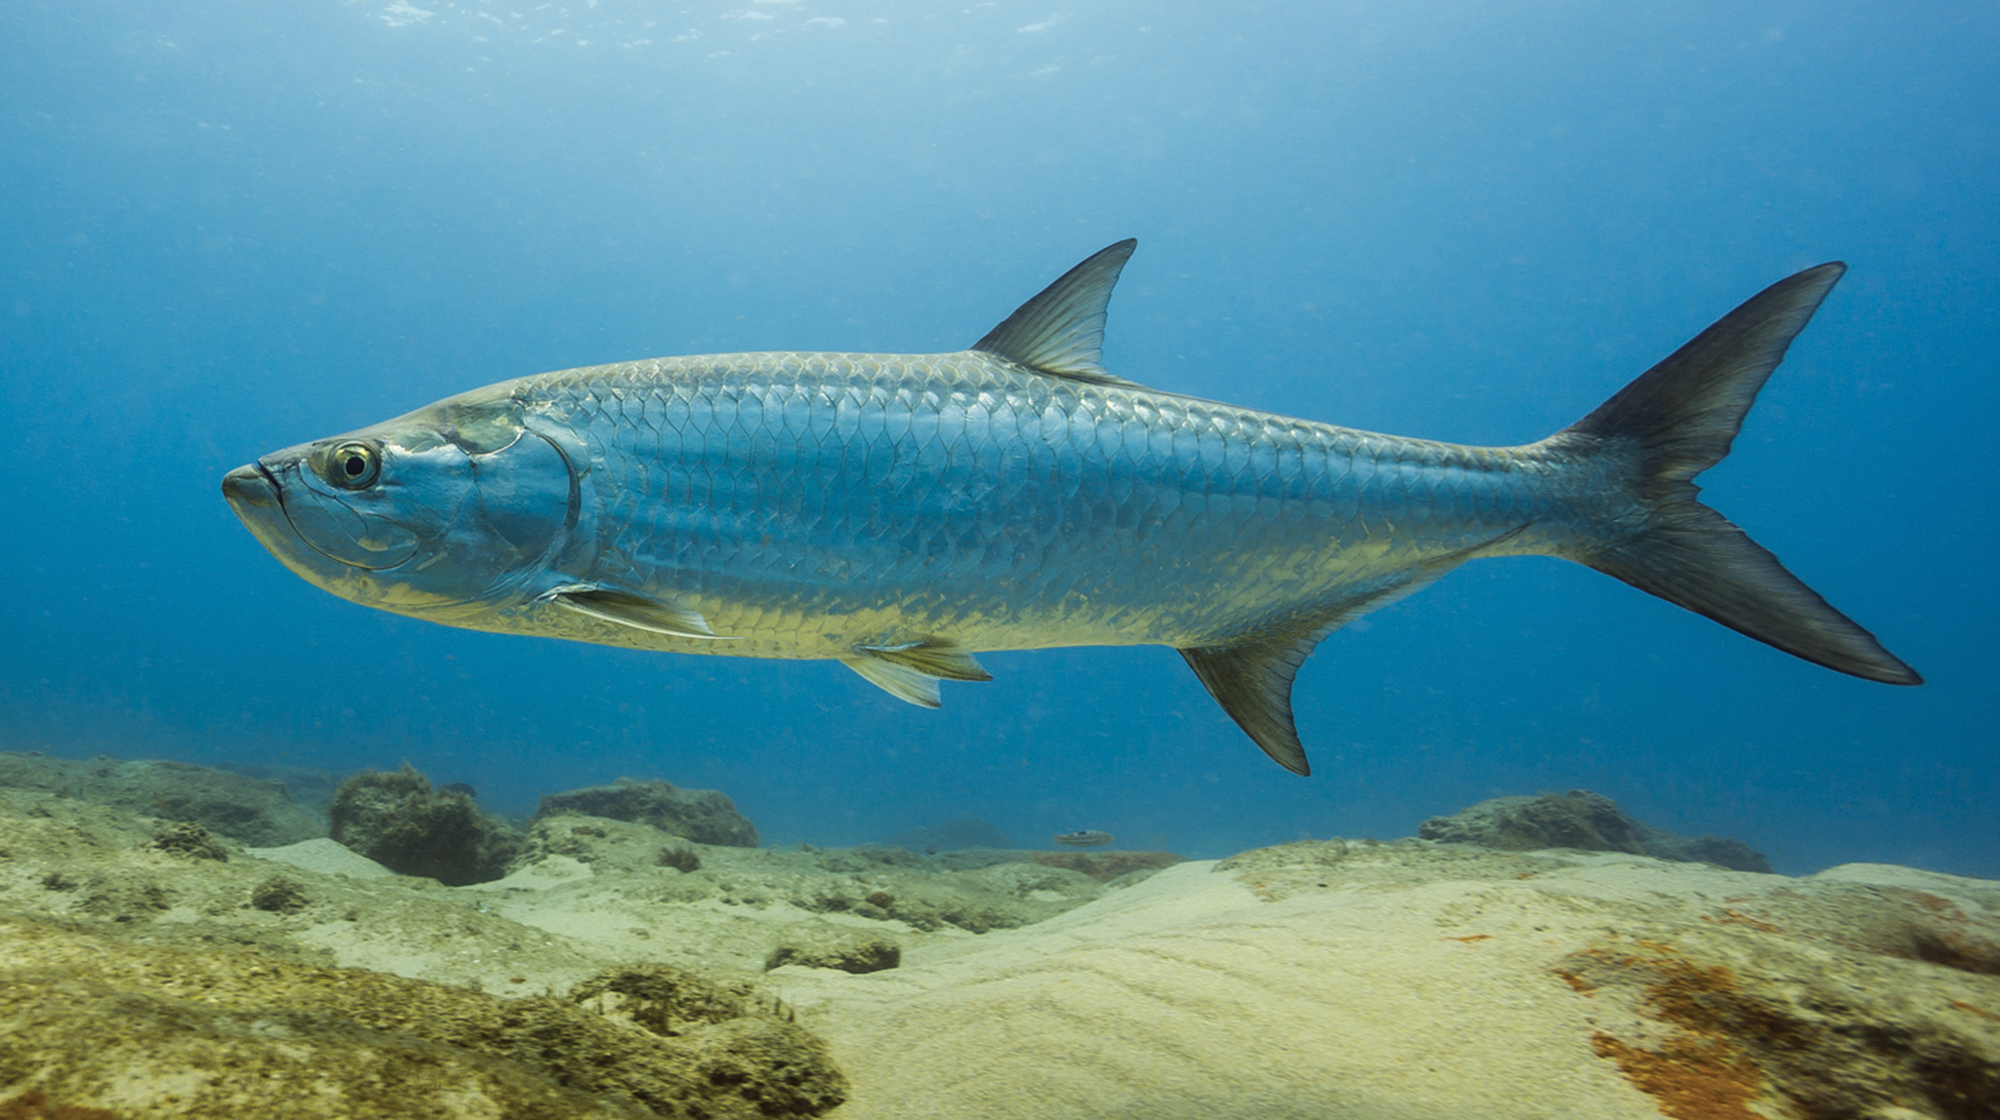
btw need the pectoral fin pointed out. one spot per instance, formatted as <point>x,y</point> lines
<point>639,612</point>
<point>909,671</point>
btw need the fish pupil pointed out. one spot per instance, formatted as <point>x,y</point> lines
<point>355,465</point>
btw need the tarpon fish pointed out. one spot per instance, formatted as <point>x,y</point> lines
<point>899,513</point>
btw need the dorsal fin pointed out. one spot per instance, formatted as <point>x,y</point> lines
<point>1061,331</point>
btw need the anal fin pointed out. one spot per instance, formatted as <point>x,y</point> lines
<point>1253,683</point>
<point>910,671</point>
<point>1251,675</point>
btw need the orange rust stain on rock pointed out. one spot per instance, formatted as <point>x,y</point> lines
<point>34,1105</point>
<point>1699,1071</point>
<point>1943,907</point>
<point>1953,947</point>
<point>1979,1011</point>
<point>1730,917</point>
<point>1693,1079</point>
<point>1575,981</point>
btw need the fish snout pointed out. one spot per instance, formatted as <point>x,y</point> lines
<point>250,487</point>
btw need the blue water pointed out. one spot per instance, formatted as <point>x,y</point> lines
<point>231,227</point>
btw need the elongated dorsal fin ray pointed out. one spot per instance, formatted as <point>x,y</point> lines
<point>910,671</point>
<point>1060,332</point>
<point>637,612</point>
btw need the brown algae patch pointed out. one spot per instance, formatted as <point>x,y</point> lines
<point>96,1024</point>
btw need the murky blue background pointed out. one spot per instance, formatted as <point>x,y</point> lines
<point>230,227</point>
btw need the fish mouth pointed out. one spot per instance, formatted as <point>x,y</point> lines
<point>302,526</point>
<point>257,500</point>
<point>251,487</point>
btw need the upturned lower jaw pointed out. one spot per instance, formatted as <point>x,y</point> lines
<point>250,487</point>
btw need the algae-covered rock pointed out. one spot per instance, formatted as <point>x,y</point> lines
<point>1000,890</point>
<point>93,1024</point>
<point>1583,821</point>
<point>875,857</point>
<point>1806,1027</point>
<point>701,815</point>
<point>250,810</point>
<point>1580,820</point>
<point>1106,866</point>
<point>607,846</point>
<point>310,786</point>
<point>1001,896</point>
<point>280,895</point>
<point>953,835</point>
<point>190,840</point>
<point>833,947</point>
<point>1718,850</point>
<point>396,819</point>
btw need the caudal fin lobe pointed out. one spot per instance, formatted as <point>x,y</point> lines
<point>1675,421</point>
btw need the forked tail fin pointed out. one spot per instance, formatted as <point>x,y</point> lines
<point>1675,421</point>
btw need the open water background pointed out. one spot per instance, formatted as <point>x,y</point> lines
<point>227,227</point>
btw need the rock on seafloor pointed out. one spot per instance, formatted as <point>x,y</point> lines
<point>704,816</point>
<point>1583,821</point>
<point>398,819</point>
<point>1414,981</point>
<point>246,809</point>
<point>138,1031</point>
<point>1326,980</point>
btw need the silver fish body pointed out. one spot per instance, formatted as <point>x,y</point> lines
<point>900,513</point>
<point>810,504</point>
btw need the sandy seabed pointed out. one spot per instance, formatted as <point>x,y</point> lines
<point>1324,979</point>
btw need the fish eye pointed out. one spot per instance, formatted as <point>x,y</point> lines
<point>353,466</point>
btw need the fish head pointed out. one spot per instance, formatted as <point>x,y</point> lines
<point>445,513</point>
